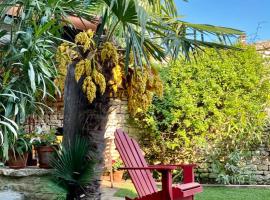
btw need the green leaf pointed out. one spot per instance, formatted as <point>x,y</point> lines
<point>31,74</point>
<point>10,127</point>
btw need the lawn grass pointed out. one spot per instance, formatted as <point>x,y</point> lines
<point>212,193</point>
<point>126,190</point>
<point>225,193</point>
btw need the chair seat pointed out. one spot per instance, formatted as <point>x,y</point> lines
<point>186,189</point>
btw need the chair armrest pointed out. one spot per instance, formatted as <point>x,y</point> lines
<point>152,167</point>
<point>185,165</point>
<point>188,172</point>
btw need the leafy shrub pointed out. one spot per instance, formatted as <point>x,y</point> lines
<point>116,164</point>
<point>233,170</point>
<point>219,99</point>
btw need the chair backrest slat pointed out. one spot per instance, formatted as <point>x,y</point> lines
<point>144,163</point>
<point>133,174</point>
<point>131,155</point>
<point>138,161</point>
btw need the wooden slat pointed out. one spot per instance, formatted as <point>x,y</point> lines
<point>125,157</point>
<point>132,154</point>
<point>138,159</point>
<point>188,186</point>
<point>179,193</point>
<point>149,174</point>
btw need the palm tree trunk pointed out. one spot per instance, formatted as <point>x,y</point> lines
<point>87,119</point>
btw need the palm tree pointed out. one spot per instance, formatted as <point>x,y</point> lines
<point>146,29</point>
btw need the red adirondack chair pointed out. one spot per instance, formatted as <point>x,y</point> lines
<point>142,179</point>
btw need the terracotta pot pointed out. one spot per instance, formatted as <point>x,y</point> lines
<point>44,156</point>
<point>17,161</point>
<point>78,22</point>
<point>118,175</point>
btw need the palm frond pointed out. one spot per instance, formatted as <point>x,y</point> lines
<point>72,164</point>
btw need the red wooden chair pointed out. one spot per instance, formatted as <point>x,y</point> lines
<point>142,179</point>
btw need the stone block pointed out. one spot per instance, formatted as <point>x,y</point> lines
<point>264,153</point>
<point>258,172</point>
<point>213,175</point>
<point>267,177</point>
<point>53,117</point>
<point>124,109</point>
<point>262,167</point>
<point>259,178</point>
<point>60,116</point>
<point>266,173</point>
<point>256,153</point>
<point>56,122</point>
<point>202,170</point>
<point>255,160</point>
<point>46,118</point>
<point>204,175</point>
<point>252,167</point>
<point>266,161</point>
<point>115,102</point>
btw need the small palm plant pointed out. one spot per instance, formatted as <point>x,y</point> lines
<point>74,167</point>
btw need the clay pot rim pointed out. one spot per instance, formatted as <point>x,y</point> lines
<point>45,148</point>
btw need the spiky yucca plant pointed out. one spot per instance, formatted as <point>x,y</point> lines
<point>74,167</point>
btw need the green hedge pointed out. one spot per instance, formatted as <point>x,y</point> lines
<point>217,100</point>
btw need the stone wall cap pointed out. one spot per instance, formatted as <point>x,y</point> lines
<point>29,171</point>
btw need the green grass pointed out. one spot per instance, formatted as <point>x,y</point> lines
<point>225,193</point>
<point>212,193</point>
<point>126,190</point>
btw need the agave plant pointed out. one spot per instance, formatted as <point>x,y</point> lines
<point>74,167</point>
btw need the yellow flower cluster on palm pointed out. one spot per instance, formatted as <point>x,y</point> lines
<point>99,79</point>
<point>93,78</point>
<point>89,88</point>
<point>143,85</point>
<point>85,39</point>
<point>64,56</point>
<point>116,80</point>
<point>109,52</point>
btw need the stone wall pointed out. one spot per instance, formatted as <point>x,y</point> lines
<point>50,120</point>
<point>259,165</point>
<point>118,118</point>
<point>32,183</point>
<point>263,47</point>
